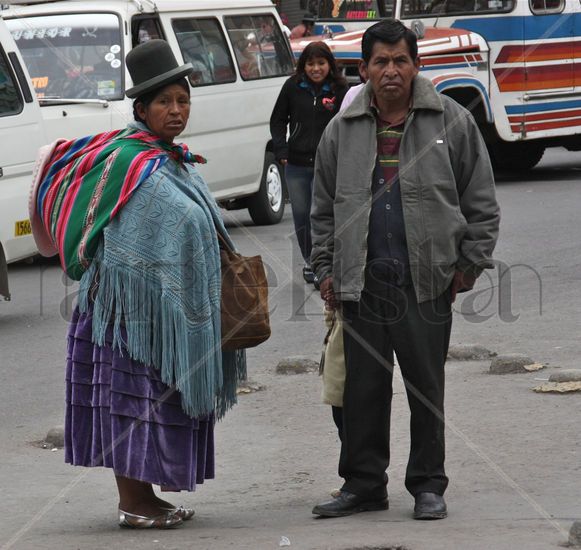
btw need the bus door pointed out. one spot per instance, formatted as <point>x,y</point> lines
<point>549,47</point>
<point>548,56</point>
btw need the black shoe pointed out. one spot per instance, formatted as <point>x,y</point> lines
<point>308,274</point>
<point>430,506</point>
<point>346,504</point>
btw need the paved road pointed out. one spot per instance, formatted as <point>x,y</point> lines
<point>513,455</point>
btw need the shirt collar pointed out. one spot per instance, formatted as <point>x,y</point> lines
<point>397,122</point>
<point>306,84</point>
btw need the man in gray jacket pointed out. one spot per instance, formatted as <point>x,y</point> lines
<point>404,216</point>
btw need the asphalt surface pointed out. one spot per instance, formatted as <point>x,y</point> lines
<point>513,455</point>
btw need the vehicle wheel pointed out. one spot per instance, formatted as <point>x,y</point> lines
<point>515,156</point>
<point>267,206</point>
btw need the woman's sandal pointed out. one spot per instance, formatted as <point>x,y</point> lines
<point>164,521</point>
<point>184,513</point>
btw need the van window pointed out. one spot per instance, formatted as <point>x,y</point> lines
<point>144,29</point>
<point>10,101</point>
<point>261,49</point>
<point>430,8</point>
<point>74,56</point>
<point>203,44</point>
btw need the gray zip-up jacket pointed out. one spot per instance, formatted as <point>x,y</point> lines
<point>447,191</point>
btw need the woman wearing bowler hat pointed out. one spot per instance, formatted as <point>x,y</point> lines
<point>133,221</point>
<point>304,28</point>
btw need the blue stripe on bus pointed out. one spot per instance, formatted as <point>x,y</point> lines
<point>514,28</point>
<point>440,67</point>
<point>319,28</point>
<point>343,55</point>
<point>351,55</point>
<point>357,55</point>
<point>542,107</point>
<point>442,85</point>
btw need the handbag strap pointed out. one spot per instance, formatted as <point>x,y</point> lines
<point>223,243</point>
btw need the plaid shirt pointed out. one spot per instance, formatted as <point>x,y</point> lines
<point>387,253</point>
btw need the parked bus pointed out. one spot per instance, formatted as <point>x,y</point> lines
<point>515,64</point>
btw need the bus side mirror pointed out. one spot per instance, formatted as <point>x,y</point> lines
<point>418,28</point>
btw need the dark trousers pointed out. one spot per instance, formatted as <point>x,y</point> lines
<point>299,182</point>
<point>338,419</point>
<point>375,327</point>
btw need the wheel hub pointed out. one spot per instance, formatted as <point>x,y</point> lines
<point>274,187</point>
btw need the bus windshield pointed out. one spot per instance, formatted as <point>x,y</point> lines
<point>336,10</point>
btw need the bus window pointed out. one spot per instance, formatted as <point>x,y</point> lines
<point>541,7</point>
<point>431,8</point>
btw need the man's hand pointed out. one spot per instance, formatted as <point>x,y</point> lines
<point>284,162</point>
<point>328,293</point>
<point>462,283</point>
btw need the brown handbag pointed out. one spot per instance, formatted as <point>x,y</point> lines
<point>244,303</point>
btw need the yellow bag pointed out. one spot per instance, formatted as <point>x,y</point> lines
<point>333,360</point>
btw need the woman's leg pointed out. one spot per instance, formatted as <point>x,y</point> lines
<point>299,181</point>
<point>137,497</point>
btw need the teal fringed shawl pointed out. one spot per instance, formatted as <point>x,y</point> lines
<point>158,274</point>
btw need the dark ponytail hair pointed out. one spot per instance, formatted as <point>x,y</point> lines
<point>320,49</point>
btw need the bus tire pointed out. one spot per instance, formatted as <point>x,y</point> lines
<point>266,207</point>
<point>515,156</point>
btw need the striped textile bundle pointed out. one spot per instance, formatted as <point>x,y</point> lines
<point>87,181</point>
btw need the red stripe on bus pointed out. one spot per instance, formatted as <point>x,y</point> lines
<point>444,60</point>
<point>545,116</point>
<point>540,126</point>
<point>536,78</point>
<point>538,52</point>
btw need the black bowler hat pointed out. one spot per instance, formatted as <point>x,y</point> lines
<point>153,65</point>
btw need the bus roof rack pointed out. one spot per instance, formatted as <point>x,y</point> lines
<point>24,2</point>
<point>7,4</point>
<point>4,4</point>
<point>140,3</point>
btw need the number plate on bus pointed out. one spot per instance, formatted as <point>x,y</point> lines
<point>22,228</point>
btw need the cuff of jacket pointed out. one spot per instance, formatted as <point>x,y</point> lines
<point>281,153</point>
<point>322,274</point>
<point>466,266</point>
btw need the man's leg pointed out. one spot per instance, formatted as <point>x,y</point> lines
<point>338,419</point>
<point>366,411</point>
<point>367,398</point>
<point>420,338</point>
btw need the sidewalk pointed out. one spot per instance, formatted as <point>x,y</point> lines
<point>276,457</point>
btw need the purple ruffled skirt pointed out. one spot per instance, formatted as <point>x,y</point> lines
<point>121,416</point>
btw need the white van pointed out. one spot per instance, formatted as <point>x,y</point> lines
<point>21,134</point>
<point>75,52</point>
